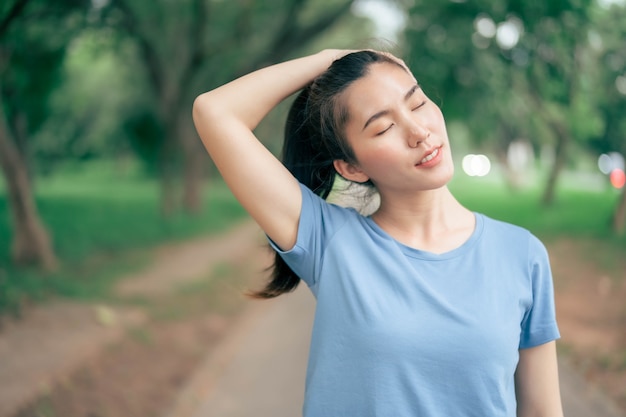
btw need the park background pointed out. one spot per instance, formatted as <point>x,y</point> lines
<point>101,164</point>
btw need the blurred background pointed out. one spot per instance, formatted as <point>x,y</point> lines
<point>101,163</point>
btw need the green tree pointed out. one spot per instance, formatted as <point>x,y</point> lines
<point>33,38</point>
<point>607,80</point>
<point>99,87</point>
<point>190,46</point>
<point>514,68</point>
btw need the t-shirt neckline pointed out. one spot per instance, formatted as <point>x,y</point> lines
<point>422,254</point>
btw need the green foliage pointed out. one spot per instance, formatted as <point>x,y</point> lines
<point>577,212</point>
<point>125,82</point>
<point>550,77</point>
<point>33,46</point>
<point>89,80</point>
<point>608,80</point>
<point>556,81</point>
<point>101,217</point>
<point>100,90</point>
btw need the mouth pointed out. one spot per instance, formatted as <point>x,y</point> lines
<point>430,156</point>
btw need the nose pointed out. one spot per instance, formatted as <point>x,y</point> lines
<point>417,135</point>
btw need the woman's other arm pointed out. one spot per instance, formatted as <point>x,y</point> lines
<point>225,119</point>
<point>537,382</point>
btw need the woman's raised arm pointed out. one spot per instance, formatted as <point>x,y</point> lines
<point>225,118</point>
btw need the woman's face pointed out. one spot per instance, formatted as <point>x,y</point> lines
<point>397,134</point>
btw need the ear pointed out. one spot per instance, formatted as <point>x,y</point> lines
<point>350,171</point>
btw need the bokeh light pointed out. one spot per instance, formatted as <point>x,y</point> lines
<point>608,162</point>
<point>618,178</point>
<point>485,26</point>
<point>476,165</point>
<point>509,32</point>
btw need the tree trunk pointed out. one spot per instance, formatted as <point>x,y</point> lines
<point>169,151</point>
<point>167,177</point>
<point>195,158</point>
<point>560,156</point>
<point>619,216</point>
<point>193,179</point>
<point>31,243</point>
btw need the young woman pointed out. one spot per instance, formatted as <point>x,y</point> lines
<point>424,308</point>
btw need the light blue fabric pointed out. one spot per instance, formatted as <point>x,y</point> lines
<point>402,332</point>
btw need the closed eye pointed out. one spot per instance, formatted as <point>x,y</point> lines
<point>419,105</point>
<point>384,131</point>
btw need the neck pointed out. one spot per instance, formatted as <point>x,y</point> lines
<point>429,220</point>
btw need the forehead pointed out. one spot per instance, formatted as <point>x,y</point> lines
<point>384,85</point>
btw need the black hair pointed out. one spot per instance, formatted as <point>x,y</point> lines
<point>314,138</point>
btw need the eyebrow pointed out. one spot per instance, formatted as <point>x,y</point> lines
<point>386,112</point>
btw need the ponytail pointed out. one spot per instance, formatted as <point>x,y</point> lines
<point>314,139</point>
<point>302,156</point>
<point>303,151</point>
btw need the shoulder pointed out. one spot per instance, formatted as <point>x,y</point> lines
<point>310,198</point>
<point>499,226</point>
<point>323,216</point>
<point>508,235</point>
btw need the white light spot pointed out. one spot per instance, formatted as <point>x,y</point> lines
<point>604,164</point>
<point>476,165</point>
<point>607,163</point>
<point>485,26</point>
<point>507,35</point>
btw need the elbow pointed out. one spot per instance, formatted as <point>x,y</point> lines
<point>202,108</point>
<point>202,115</point>
<point>205,112</point>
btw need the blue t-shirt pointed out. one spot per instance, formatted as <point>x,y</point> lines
<point>402,332</point>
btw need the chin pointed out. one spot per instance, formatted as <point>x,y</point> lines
<point>444,178</point>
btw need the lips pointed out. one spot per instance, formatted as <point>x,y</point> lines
<point>429,156</point>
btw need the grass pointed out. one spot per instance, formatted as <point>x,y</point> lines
<point>103,220</point>
<point>576,212</point>
<point>101,210</point>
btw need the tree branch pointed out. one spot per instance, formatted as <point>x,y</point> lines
<point>291,36</point>
<point>197,33</point>
<point>148,53</point>
<point>13,14</point>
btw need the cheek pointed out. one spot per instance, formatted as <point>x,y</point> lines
<point>377,158</point>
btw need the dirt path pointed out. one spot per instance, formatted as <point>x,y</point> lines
<point>591,310</point>
<point>207,351</point>
<point>49,343</point>
<point>259,368</point>
<point>54,346</point>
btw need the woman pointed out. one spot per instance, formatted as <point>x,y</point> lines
<point>424,308</point>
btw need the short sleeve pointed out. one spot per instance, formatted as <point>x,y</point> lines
<point>318,222</point>
<point>539,324</point>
